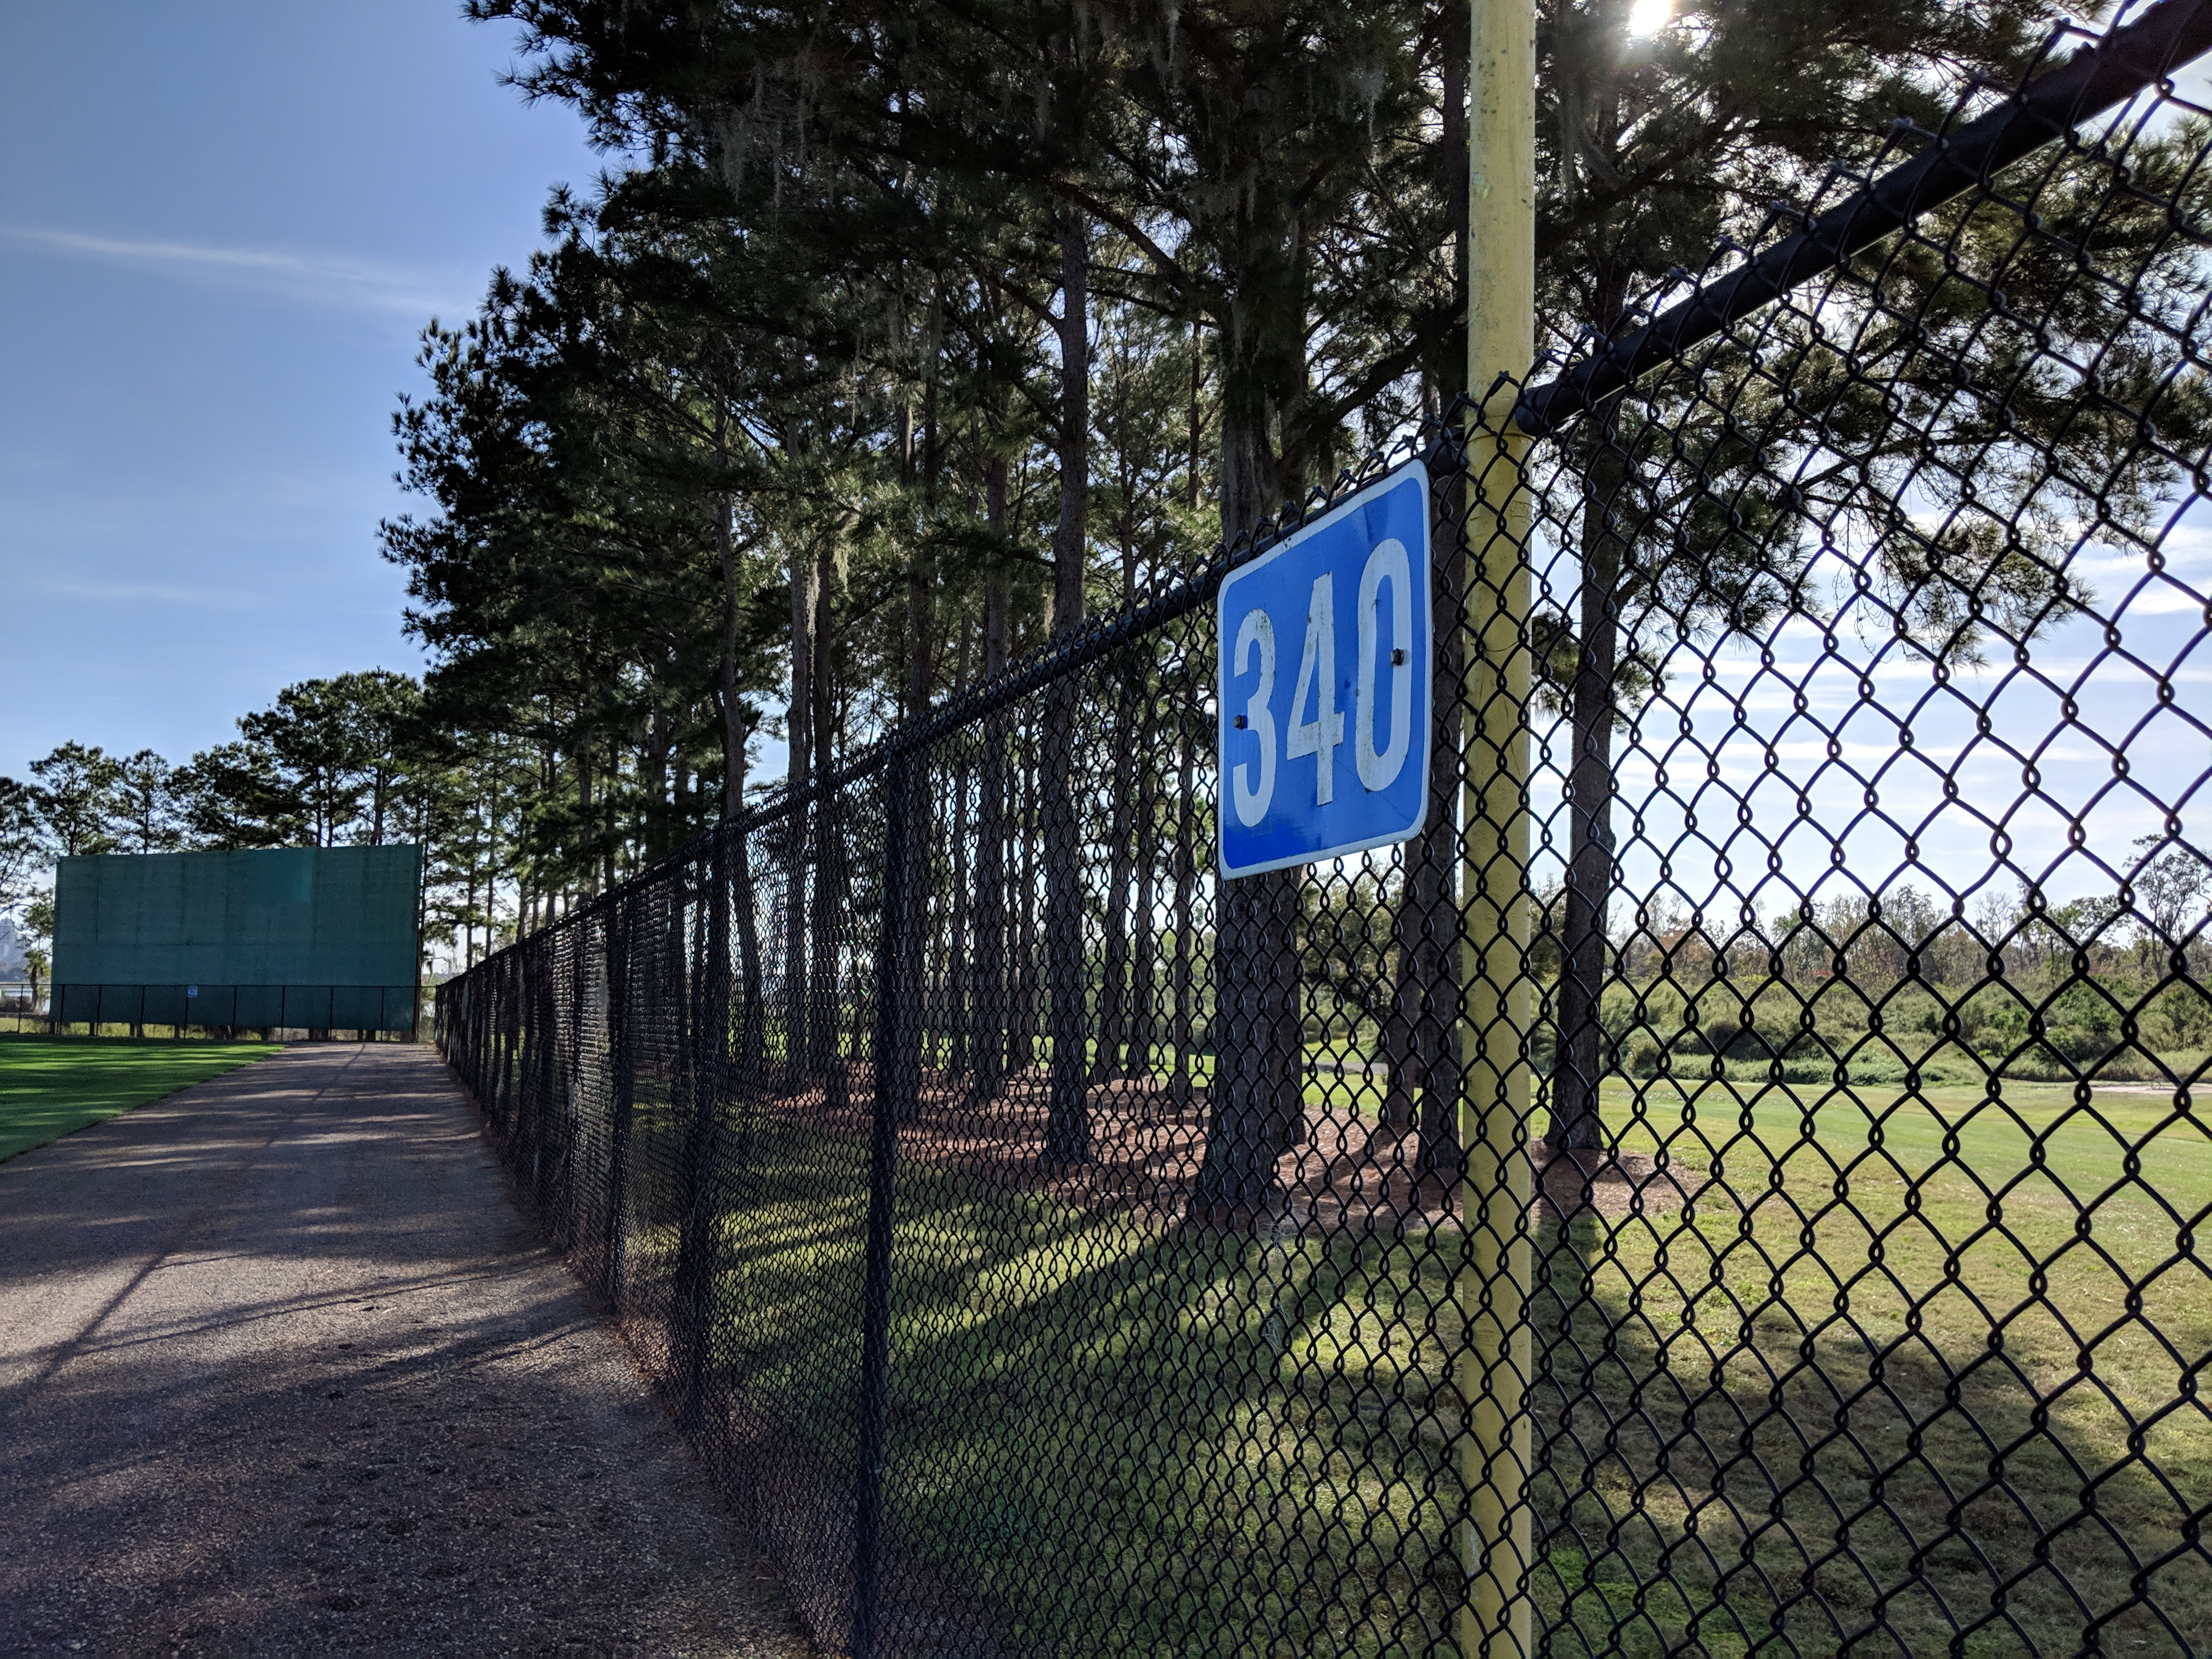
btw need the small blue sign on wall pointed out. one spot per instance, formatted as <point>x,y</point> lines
<point>1324,684</point>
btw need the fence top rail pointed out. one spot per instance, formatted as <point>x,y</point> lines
<point>2104,73</point>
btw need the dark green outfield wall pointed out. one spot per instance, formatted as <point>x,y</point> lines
<point>298,916</point>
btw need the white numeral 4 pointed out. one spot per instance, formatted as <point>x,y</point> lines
<point>1320,735</point>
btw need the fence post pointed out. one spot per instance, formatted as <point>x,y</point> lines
<point>895,1030</point>
<point>547,1137</point>
<point>1496,1622</point>
<point>709,1048</point>
<point>622,1065</point>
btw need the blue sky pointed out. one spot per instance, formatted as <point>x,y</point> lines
<point>221,227</point>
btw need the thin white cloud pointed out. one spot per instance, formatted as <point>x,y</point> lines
<point>333,280</point>
<point>156,594</point>
<point>2164,599</point>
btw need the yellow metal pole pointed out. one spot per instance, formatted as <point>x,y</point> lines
<point>1494,1101</point>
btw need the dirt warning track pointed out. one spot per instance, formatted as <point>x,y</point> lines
<point>282,1370</point>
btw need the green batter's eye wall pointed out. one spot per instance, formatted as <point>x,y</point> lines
<point>315,938</point>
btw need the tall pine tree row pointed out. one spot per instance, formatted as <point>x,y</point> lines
<point>914,331</point>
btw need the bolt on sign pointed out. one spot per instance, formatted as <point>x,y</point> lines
<point>1325,645</point>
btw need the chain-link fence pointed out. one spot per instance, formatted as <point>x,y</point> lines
<point>364,1011</point>
<point>1733,1183</point>
<point>22,1006</point>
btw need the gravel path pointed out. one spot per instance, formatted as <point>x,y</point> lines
<point>282,1370</point>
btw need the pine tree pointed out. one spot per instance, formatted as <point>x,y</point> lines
<point>897,224</point>
<point>75,798</point>
<point>146,819</point>
<point>231,797</point>
<point>22,844</point>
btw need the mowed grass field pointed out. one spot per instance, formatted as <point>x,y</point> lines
<point>50,1086</point>
<point>1915,1369</point>
<point>1914,1373</point>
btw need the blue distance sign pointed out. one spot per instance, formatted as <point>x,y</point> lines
<point>1324,684</point>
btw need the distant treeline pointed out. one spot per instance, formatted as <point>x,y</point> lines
<point>351,761</point>
<point>1874,985</point>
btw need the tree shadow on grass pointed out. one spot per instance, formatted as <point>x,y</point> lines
<point>1759,1470</point>
<point>1105,1433</point>
<point>1101,1435</point>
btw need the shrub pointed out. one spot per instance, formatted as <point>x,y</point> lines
<point>2180,1017</point>
<point>1878,1067</point>
<point>2083,1045</point>
<point>1913,1011</point>
<point>1993,1020</point>
<point>2128,1065</point>
<point>1808,1069</point>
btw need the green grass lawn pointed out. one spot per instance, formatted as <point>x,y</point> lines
<point>1915,1369</point>
<point>1949,1342</point>
<point>50,1086</point>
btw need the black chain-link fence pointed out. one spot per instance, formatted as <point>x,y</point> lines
<point>363,1012</point>
<point>1733,1183</point>
<point>22,1006</point>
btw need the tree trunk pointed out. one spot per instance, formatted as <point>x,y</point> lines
<point>1185,879</point>
<point>705,1052</point>
<point>993,988</point>
<point>1113,989</point>
<point>609,841</point>
<point>752,1023</point>
<point>749,1022</point>
<point>1067,1124</point>
<point>656,787</point>
<point>1423,1087</point>
<point>468,913</point>
<point>1257,1104</point>
<point>621,1087</point>
<point>830,895</point>
<point>950,1013</point>
<point>918,619</point>
<point>1125,1045</point>
<point>583,796</point>
<point>733,728</point>
<point>896,1050</point>
<point>798,763</point>
<point>1071,538</point>
<point>1197,383</point>
<point>964,1018</point>
<point>1579,1070</point>
<point>1022,975</point>
<point>1131,705</point>
<point>1143,977</point>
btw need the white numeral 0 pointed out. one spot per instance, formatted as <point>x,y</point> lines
<point>1257,630</point>
<point>1387,562</point>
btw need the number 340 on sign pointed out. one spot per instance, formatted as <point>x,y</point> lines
<point>1325,684</point>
